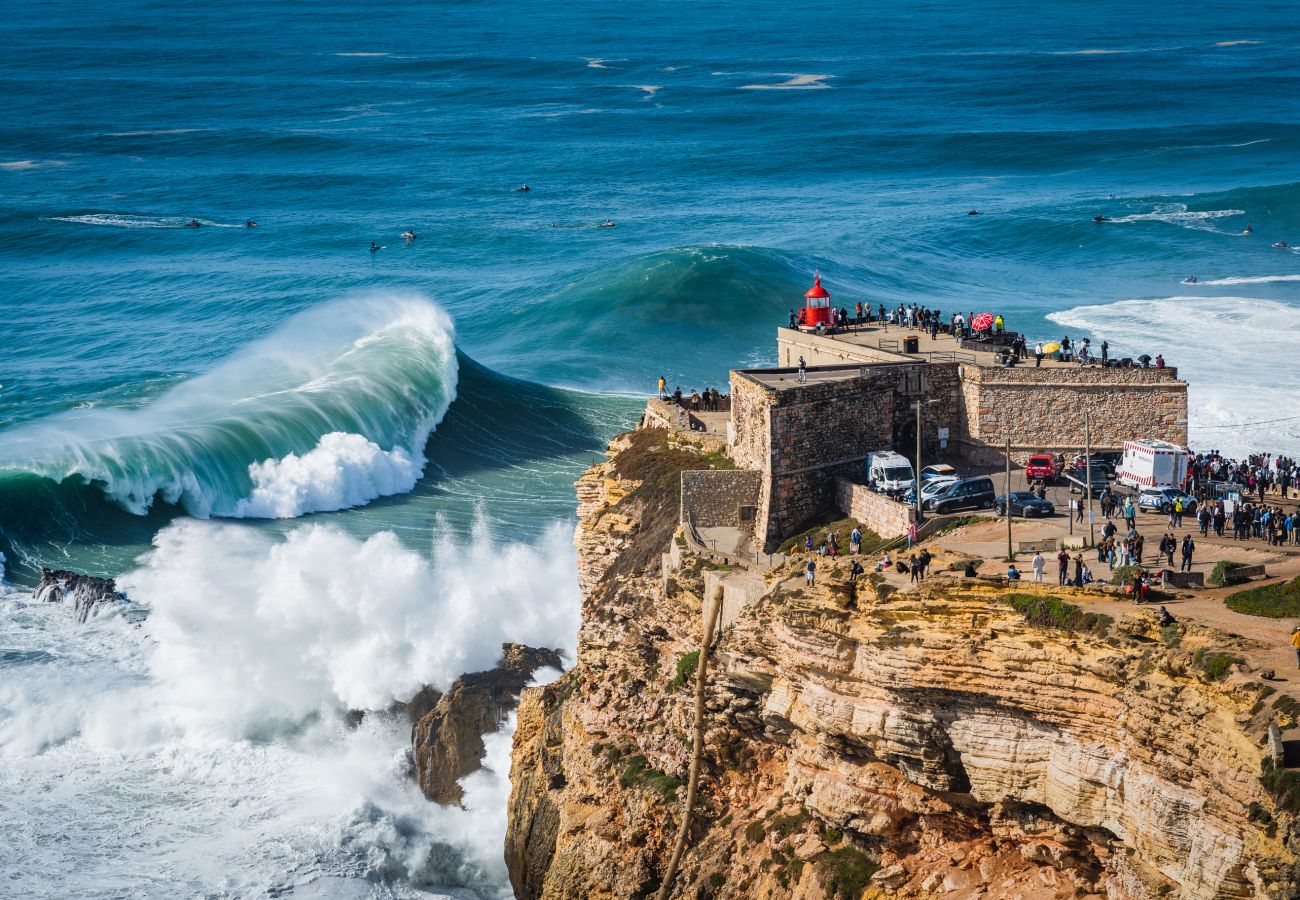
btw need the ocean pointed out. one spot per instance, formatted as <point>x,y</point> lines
<point>328,475</point>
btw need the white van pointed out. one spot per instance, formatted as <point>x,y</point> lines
<point>889,472</point>
<point>1152,464</point>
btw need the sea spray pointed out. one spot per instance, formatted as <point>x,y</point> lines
<point>232,696</point>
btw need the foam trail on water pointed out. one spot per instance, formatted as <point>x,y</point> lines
<point>1251,279</point>
<point>1178,214</point>
<point>1213,341</point>
<point>216,729</point>
<point>330,410</point>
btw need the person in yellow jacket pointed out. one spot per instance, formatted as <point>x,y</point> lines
<point>997,324</point>
<point>663,388</point>
<point>1295,642</point>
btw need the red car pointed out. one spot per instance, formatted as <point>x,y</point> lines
<point>1042,467</point>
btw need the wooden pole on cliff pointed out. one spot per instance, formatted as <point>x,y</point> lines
<point>1006,502</point>
<point>697,744</point>
<point>1087,462</point>
<point>916,476</point>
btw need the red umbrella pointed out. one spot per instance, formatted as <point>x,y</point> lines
<point>982,322</point>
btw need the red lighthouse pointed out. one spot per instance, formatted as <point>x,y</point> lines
<point>817,305</point>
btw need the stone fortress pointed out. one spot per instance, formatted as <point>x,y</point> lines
<point>802,444</point>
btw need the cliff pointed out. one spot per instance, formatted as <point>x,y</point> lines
<point>447,729</point>
<point>958,741</point>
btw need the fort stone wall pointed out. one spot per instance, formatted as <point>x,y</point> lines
<point>1043,409</point>
<point>721,497</point>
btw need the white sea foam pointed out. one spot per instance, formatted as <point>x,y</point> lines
<point>205,752</point>
<point>154,132</point>
<point>27,165</point>
<point>794,82</point>
<point>363,54</point>
<point>342,471</point>
<point>649,89</point>
<point>1178,214</point>
<point>1251,279</point>
<point>115,220</point>
<point>1236,43</point>
<point>1234,351</point>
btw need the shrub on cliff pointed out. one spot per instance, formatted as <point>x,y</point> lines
<point>1274,601</point>
<point>1219,574</point>
<point>846,872</point>
<point>686,665</point>
<point>1049,612</point>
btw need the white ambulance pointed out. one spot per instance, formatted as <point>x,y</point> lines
<point>1152,464</point>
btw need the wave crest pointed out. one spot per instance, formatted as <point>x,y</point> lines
<point>308,401</point>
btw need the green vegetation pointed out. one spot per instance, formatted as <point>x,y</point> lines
<point>1219,575</point>
<point>1215,664</point>
<point>788,825</point>
<point>1049,612</point>
<point>1171,635</point>
<point>847,872</point>
<point>639,773</point>
<point>1125,574</point>
<point>1284,785</point>
<point>959,565</point>
<point>953,525</point>
<point>1274,601</point>
<point>818,528</point>
<point>754,832</point>
<point>686,664</point>
<point>832,836</point>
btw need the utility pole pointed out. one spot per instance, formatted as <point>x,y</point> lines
<point>1006,502</point>
<point>916,476</point>
<point>1087,462</point>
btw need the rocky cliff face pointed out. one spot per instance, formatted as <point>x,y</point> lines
<point>946,743</point>
<point>86,592</point>
<point>447,729</point>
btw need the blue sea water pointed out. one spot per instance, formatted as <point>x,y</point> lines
<point>447,391</point>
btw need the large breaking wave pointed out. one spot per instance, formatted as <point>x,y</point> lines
<point>330,410</point>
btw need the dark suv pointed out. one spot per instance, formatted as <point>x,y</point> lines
<point>968,493</point>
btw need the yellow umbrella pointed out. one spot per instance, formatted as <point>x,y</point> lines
<point>1052,347</point>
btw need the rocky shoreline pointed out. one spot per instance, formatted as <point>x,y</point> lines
<point>952,741</point>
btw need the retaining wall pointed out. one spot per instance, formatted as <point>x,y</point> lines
<point>719,497</point>
<point>887,518</point>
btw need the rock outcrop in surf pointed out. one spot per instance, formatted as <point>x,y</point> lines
<point>447,734</point>
<point>87,592</point>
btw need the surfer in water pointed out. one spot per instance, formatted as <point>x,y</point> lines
<point>608,223</point>
<point>408,235</point>
<point>1190,279</point>
<point>1281,245</point>
<point>250,224</point>
<point>1247,229</point>
<point>1100,219</point>
<point>375,248</point>
<point>192,223</point>
<point>973,212</point>
<point>522,189</point>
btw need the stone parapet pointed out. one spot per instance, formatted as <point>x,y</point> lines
<point>887,518</point>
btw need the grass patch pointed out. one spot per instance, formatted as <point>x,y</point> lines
<point>832,836</point>
<point>819,528</point>
<point>754,832</point>
<point>953,525</point>
<point>1273,601</point>
<point>846,872</point>
<point>1215,664</point>
<point>638,772</point>
<point>1284,785</point>
<point>959,565</point>
<point>1171,635</point>
<point>686,664</point>
<point>1049,612</point>
<point>788,825</point>
<point>1219,575</point>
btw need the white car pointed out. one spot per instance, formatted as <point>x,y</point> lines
<point>939,470</point>
<point>931,489</point>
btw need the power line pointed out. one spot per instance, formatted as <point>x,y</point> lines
<point>1246,424</point>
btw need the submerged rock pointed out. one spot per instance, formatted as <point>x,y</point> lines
<point>447,732</point>
<point>87,592</point>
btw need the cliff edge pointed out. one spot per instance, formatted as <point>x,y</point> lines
<point>952,741</point>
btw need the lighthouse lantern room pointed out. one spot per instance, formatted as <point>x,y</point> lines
<point>817,305</point>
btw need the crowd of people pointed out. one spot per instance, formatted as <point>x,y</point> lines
<point>708,400</point>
